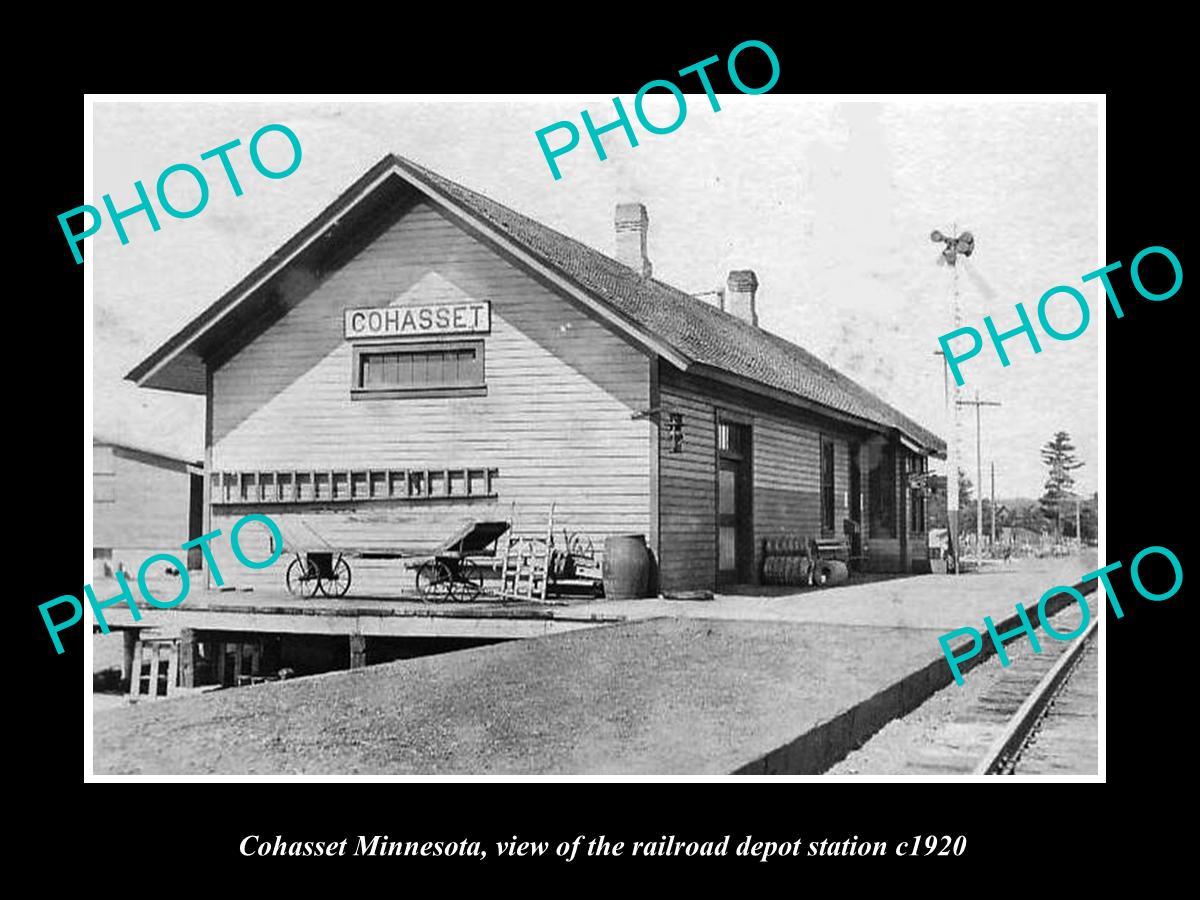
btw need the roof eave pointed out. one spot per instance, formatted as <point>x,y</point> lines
<point>644,340</point>
<point>143,374</point>
<point>715,374</point>
<point>936,450</point>
<point>155,370</point>
<point>757,387</point>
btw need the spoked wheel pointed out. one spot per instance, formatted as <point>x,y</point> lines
<point>581,545</point>
<point>468,584</point>
<point>339,581</point>
<point>435,581</point>
<point>302,577</point>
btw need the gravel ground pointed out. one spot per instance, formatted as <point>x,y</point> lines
<point>663,697</point>
<point>1066,742</point>
<point>952,730</point>
<point>716,688</point>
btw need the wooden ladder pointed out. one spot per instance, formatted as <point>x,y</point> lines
<point>527,565</point>
<point>159,654</point>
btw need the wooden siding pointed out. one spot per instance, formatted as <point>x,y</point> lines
<point>148,512</point>
<point>785,468</point>
<point>787,477</point>
<point>885,551</point>
<point>687,498</point>
<point>555,422</point>
<point>787,480</point>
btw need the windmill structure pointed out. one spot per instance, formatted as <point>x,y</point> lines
<point>955,245</point>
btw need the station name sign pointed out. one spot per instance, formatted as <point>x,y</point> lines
<point>472,317</point>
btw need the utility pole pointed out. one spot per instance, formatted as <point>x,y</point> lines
<point>994,507</point>
<point>945,378</point>
<point>979,404</point>
<point>952,498</point>
<point>1071,495</point>
<point>956,245</point>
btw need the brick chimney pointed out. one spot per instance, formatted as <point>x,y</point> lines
<point>632,225</point>
<point>739,295</point>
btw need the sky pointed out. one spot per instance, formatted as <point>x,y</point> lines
<point>830,203</point>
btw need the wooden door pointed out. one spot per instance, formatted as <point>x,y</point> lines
<point>856,504</point>
<point>735,528</point>
<point>195,559</point>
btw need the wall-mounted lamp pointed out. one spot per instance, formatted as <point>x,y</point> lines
<point>674,425</point>
<point>675,430</point>
<point>923,482</point>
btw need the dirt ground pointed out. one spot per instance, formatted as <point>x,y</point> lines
<point>661,697</point>
<point>951,731</point>
<point>692,688</point>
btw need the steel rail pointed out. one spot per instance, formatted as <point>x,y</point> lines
<point>1008,745</point>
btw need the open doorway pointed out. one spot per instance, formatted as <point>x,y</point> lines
<point>735,526</point>
<point>855,511</point>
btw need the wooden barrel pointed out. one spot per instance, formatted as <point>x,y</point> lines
<point>831,572</point>
<point>626,570</point>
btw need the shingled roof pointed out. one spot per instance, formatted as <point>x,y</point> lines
<point>697,330</point>
<point>683,328</point>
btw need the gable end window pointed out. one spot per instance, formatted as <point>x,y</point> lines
<point>394,371</point>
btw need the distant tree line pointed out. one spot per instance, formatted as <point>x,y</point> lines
<point>1053,513</point>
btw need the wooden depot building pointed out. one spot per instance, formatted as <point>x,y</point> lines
<point>419,356</point>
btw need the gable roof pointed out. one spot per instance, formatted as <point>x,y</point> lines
<point>100,440</point>
<point>687,332</point>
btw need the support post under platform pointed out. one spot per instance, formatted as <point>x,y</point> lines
<point>358,651</point>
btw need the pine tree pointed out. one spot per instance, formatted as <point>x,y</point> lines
<point>1059,457</point>
<point>965,487</point>
<point>966,504</point>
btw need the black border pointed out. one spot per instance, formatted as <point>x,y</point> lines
<point>1145,496</point>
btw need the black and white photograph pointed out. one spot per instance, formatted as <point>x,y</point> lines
<point>469,437</point>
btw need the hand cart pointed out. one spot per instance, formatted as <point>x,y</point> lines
<point>315,571</point>
<point>453,572</point>
<point>326,570</point>
<point>536,568</point>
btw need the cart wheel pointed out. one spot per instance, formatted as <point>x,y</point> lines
<point>302,577</point>
<point>468,585</point>
<point>581,545</point>
<point>435,581</point>
<point>339,581</point>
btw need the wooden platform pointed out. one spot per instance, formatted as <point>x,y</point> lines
<point>717,691</point>
<point>281,613</point>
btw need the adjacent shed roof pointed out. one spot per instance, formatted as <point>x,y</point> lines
<point>102,440</point>
<point>688,332</point>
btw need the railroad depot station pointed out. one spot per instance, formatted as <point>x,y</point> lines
<point>420,357</point>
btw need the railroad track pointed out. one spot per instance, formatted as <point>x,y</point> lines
<point>1004,754</point>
